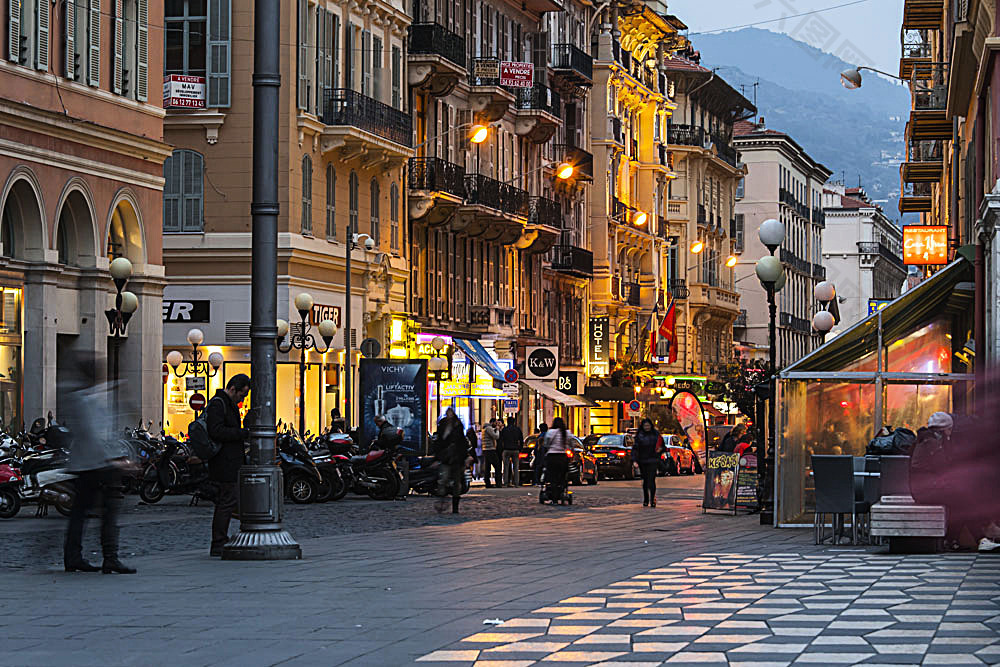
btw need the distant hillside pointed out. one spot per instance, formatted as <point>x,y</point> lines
<point>856,133</point>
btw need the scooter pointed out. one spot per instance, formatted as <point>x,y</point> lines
<point>373,474</point>
<point>303,471</point>
<point>424,476</point>
<point>10,491</point>
<point>177,471</point>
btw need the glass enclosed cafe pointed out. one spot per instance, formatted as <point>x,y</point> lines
<point>894,368</point>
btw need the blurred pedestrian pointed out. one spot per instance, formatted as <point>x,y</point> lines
<point>389,438</point>
<point>731,439</point>
<point>89,413</point>
<point>225,427</point>
<point>645,452</point>
<point>336,421</point>
<point>473,438</point>
<point>556,462</point>
<point>511,444</point>
<point>491,456</point>
<point>541,447</point>
<point>454,455</point>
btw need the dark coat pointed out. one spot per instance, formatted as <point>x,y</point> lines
<point>511,439</point>
<point>645,446</point>
<point>225,428</point>
<point>451,447</point>
<point>932,456</point>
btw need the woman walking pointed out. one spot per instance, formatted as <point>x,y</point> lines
<point>645,452</point>
<point>556,464</point>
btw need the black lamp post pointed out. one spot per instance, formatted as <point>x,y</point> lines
<point>772,277</point>
<point>126,303</point>
<point>354,240</point>
<point>196,366</point>
<point>304,341</point>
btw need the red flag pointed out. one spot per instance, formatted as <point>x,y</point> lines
<point>652,332</point>
<point>668,330</point>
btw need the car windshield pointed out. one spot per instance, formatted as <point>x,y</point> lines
<point>610,440</point>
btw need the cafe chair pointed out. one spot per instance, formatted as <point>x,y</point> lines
<point>837,495</point>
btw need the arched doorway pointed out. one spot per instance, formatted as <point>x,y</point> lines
<point>75,232</point>
<point>21,227</point>
<point>125,233</point>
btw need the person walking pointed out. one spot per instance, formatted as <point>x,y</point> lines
<point>473,438</point>
<point>645,452</point>
<point>491,456</point>
<point>541,447</point>
<point>91,458</point>
<point>225,427</point>
<point>511,444</point>
<point>556,461</point>
<point>453,454</point>
<point>731,439</point>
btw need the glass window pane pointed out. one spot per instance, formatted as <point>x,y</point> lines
<point>927,350</point>
<point>910,405</point>
<point>196,48</point>
<point>173,56</point>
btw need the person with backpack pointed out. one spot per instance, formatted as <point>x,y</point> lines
<point>389,438</point>
<point>646,453</point>
<point>511,444</point>
<point>225,429</point>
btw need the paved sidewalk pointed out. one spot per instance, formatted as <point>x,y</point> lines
<point>621,584</point>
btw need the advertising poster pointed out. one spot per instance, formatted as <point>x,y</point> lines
<point>746,482</point>
<point>687,408</point>
<point>721,470</point>
<point>397,389</point>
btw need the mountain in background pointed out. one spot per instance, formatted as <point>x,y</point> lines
<point>858,134</point>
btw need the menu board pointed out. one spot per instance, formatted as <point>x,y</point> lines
<point>720,481</point>
<point>746,481</point>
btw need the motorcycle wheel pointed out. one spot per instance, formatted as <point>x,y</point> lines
<point>387,487</point>
<point>303,489</point>
<point>64,508</point>
<point>151,492</point>
<point>10,504</point>
<point>332,488</point>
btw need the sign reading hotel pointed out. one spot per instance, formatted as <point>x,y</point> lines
<point>597,352</point>
<point>516,75</point>
<point>186,92</point>
<point>925,245</point>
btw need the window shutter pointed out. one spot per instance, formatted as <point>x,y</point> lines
<point>306,195</point>
<point>334,51</point>
<point>172,193</point>
<point>331,202</point>
<point>142,52</point>
<point>193,169</point>
<point>94,44</point>
<point>366,63</point>
<point>329,53</point>
<point>70,38</point>
<point>303,35</point>
<point>377,68</point>
<point>349,56</point>
<point>397,66</point>
<point>320,59</point>
<point>14,30</point>
<point>117,73</point>
<point>42,34</point>
<point>219,29</point>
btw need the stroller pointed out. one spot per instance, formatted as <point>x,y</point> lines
<point>555,491</point>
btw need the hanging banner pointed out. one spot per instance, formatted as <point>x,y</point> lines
<point>597,353</point>
<point>721,469</point>
<point>396,389</point>
<point>687,408</point>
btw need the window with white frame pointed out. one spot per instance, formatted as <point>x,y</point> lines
<point>373,186</point>
<point>183,192</point>
<point>331,202</point>
<point>197,43</point>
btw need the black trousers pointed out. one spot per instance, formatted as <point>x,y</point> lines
<point>556,468</point>
<point>648,473</point>
<point>225,504</point>
<point>106,482</point>
<point>491,461</point>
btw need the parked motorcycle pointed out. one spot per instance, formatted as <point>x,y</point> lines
<point>10,491</point>
<point>44,479</point>
<point>176,471</point>
<point>303,470</point>
<point>373,474</point>
<point>424,476</point>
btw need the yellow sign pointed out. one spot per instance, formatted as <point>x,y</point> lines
<point>482,387</point>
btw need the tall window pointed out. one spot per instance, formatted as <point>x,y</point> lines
<point>197,43</point>
<point>394,217</point>
<point>377,68</point>
<point>397,77</point>
<point>331,202</point>
<point>374,212</point>
<point>307,177</point>
<point>737,233</point>
<point>352,204</point>
<point>183,192</point>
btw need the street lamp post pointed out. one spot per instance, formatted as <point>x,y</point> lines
<point>772,276</point>
<point>354,240</point>
<point>126,303</point>
<point>194,367</point>
<point>261,535</point>
<point>438,365</point>
<point>304,341</point>
<point>824,320</point>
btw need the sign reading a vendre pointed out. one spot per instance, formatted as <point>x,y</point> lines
<point>187,92</point>
<point>517,75</point>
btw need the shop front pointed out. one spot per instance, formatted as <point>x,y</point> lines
<point>11,337</point>
<point>895,368</point>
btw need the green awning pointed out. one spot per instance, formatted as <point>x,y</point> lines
<point>947,292</point>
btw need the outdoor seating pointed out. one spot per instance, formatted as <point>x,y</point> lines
<point>894,475</point>
<point>896,517</point>
<point>837,495</point>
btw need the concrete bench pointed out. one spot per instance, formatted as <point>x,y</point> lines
<point>908,527</point>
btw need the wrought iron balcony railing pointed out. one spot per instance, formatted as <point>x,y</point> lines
<point>435,39</point>
<point>570,259</point>
<point>539,98</point>
<point>930,90</point>
<point>685,135</point>
<point>819,217</point>
<point>726,152</point>
<point>342,106</point>
<point>916,190</point>
<point>794,261</point>
<point>678,288</point>
<point>619,210</point>
<point>437,175</point>
<point>489,192</point>
<point>568,57</point>
<point>543,211</point>
<point>794,322</point>
<point>924,150</point>
<point>819,271</point>
<point>882,250</point>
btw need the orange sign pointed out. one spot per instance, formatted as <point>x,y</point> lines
<point>925,244</point>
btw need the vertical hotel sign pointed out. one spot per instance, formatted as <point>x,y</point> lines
<point>925,245</point>
<point>598,354</point>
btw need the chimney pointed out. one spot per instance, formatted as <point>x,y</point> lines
<point>760,123</point>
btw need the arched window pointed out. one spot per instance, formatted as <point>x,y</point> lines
<point>352,203</point>
<point>183,192</point>
<point>394,216</point>
<point>307,177</point>
<point>331,202</point>
<point>374,211</point>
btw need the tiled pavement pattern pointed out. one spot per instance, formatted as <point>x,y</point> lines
<point>775,609</point>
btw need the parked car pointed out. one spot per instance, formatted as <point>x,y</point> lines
<point>677,457</point>
<point>582,465</point>
<point>613,453</point>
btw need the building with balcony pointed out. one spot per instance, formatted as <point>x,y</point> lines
<point>786,184</point>
<point>862,253</point>
<point>345,135</point>
<point>80,185</point>
<point>699,206</point>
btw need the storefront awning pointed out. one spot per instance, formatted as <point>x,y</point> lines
<point>474,350</point>
<point>551,392</point>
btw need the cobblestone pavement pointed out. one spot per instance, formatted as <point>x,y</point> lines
<point>612,585</point>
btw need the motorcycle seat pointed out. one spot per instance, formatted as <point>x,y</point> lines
<point>374,455</point>
<point>360,458</point>
<point>194,460</point>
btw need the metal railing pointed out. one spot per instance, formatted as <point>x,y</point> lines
<point>794,322</point>
<point>435,39</point>
<point>437,175</point>
<point>543,211</point>
<point>539,98</point>
<point>726,152</point>
<point>924,150</point>
<point>571,259</point>
<point>819,217</point>
<point>619,210</point>
<point>621,56</point>
<point>569,57</point>
<point>794,261</point>
<point>342,106</point>
<point>741,319</point>
<point>930,93</point>
<point>685,135</point>
<point>916,190</point>
<point>819,272</point>
<point>678,288</point>
<point>486,191</point>
<point>702,215</point>
<point>882,250</point>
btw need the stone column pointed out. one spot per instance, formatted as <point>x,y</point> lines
<point>39,351</point>
<point>142,352</point>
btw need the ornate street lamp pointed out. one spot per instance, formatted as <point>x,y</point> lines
<point>437,365</point>
<point>196,366</point>
<point>304,341</point>
<point>354,240</point>
<point>126,303</point>
<point>824,320</point>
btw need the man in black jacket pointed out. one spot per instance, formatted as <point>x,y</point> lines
<point>511,444</point>
<point>225,427</point>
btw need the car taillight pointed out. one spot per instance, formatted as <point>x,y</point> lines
<point>619,452</point>
<point>569,455</point>
<point>522,455</point>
